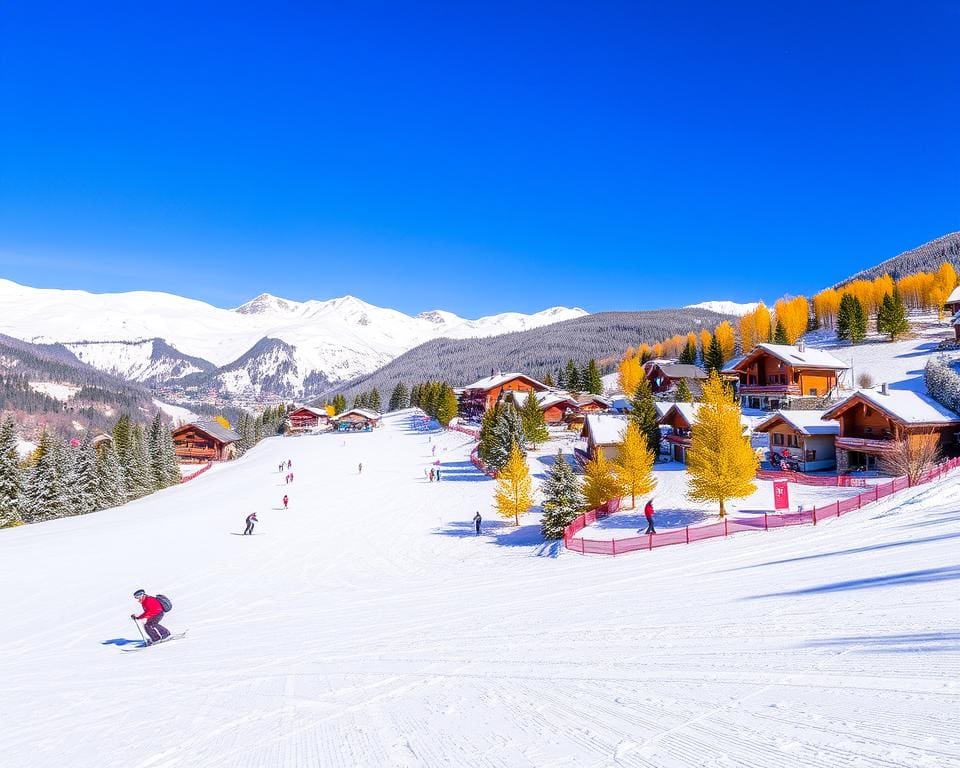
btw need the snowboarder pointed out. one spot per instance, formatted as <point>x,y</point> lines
<point>251,521</point>
<point>285,501</point>
<point>153,613</point>
<point>648,513</point>
<point>476,522</point>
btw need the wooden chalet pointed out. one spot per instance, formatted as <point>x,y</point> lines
<point>202,441</point>
<point>593,404</point>
<point>772,375</point>
<point>555,405</point>
<point>679,419</point>
<point>604,432</point>
<point>665,377</point>
<point>306,418</point>
<point>955,322</point>
<point>477,398</point>
<point>356,420</point>
<point>872,420</point>
<point>952,304</point>
<point>804,437</point>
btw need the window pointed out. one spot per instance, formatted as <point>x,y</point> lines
<point>810,456</point>
<point>792,441</point>
<point>777,438</point>
<point>814,392</point>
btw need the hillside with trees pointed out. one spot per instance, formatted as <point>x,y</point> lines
<point>925,258</point>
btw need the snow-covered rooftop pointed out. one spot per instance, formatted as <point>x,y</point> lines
<point>217,430</point>
<point>544,399</point>
<point>502,378</point>
<point>793,355</point>
<point>689,413</point>
<point>682,371</point>
<point>954,297</point>
<point>604,428</point>
<point>367,414</point>
<point>904,405</point>
<point>805,422</point>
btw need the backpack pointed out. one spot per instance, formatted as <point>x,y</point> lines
<point>165,603</point>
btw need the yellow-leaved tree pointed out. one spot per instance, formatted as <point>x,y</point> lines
<point>721,462</point>
<point>514,495</point>
<point>630,372</point>
<point>634,467</point>
<point>222,422</point>
<point>600,481</point>
<point>726,339</point>
<point>331,411</point>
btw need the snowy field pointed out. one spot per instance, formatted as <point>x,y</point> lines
<point>368,626</point>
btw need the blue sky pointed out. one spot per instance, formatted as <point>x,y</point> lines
<point>474,157</point>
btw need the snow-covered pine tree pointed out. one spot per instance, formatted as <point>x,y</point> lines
<point>600,482</point>
<point>562,498</point>
<point>171,464</point>
<point>714,359</point>
<point>721,462</point>
<point>399,398</point>
<point>507,431</point>
<point>514,495</point>
<point>643,412</point>
<point>561,378</point>
<point>45,494</point>
<point>11,475</point>
<point>373,400</point>
<point>634,466</point>
<point>534,426</point>
<point>574,384</point>
<point>84,482</point>
<point>155,452</point>
<point>111,485</point>
<point>594,381</point>
<point>140,480</point>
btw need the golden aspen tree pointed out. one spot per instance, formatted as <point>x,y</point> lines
<point>794,315</point>
<point>657,351</point>
<point>763,323</point>
<point>704,343</point>
<point>721,462</point>
<point>634,467</point>
<point>630,373</point>
<point>600,481</point>
<point>644,352</point>
<point>826,304</point>
<point>726,340</point>
<point>514,495</point>
<point>748,332</point>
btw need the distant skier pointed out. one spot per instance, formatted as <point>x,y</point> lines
<point>438,475</point>
<point>434,450</point>
<point>431,474</point>
<point>476,522</point>
<point>360,468</point>
<point>281,467</point>
<point>153,613</point>
<point>289,463</point>
<point>426,474</point>
<point>251,521</point>
<point>285,501</point>
<point>648,513</point>
<point>291,477</point>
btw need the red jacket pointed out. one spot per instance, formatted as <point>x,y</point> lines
<point>151,607</point>
<point>648,510</point>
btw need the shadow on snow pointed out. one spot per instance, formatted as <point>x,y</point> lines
<point>504,534</point>
<point>926,642</point>
<point>926,576</point>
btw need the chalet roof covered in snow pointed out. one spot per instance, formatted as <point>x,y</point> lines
<point>315,411</point>
<point>902,405</point>
<point>791,355</point>
<point>367,414</point>
<point>681,371</point>
<point>954,297</point>
<point>217,430</point>
<point>604,428</point>
<point>544,399</point>
<point>805,422</point>
<point>688,411</point>
<point>490,382</point>
<point>731,365</point>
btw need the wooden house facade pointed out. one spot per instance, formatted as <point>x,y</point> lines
<point>554,405</point>
<point>678,418</point>
<point>604,433</point>
<point>304,418</point>
<point>872,421</point>
<point>665,377</point>
<point>803,438</point>
<point>356,420</point>
<point>204,441</point>
<point>477,398</point>
<point>772,375</point>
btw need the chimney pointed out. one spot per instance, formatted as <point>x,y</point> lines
<point>884,390</point>
<point>801,346</point>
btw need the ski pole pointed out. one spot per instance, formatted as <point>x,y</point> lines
<point>140,631</point>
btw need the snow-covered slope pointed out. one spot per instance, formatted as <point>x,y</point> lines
<point>152,337</point>
<point>368,626</point>
<point>726,307</point>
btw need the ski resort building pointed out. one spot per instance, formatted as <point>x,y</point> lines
<point>555,405</point>
<point>871,421</point>
<point>802,437</point>
<point>356,420</point>
<point>679,418</point>
<point>665,377</point>
<point>952,304</point>
<point>604,433</point>
<point>477,398</point>
<point>305,418</point>
<point>772,375</point>
<point>593,404</point>
<point>203,441</point>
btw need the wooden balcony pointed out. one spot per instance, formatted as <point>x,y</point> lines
<point>675,439</point>
<point>864,444</point>
<point>770,389</point>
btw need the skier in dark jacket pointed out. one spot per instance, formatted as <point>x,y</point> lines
<point>476,521</point>
<point>251,521</point>
<point>153,613</point>
<point>648,513</point>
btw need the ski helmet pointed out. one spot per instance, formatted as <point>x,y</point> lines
<point>139,593</point>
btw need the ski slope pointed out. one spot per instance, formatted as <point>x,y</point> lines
<point>368,626</point>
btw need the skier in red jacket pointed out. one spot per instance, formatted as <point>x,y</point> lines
<point>153,613</point>
<point>648,513</point>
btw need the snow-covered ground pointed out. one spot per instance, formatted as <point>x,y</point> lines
<point>178,413</point>
<point>368,626</point>
<point>61,392</point>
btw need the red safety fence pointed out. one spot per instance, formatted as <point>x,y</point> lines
<point>192,475</point>
<point>472,431</point>
<point>823,481</point>
<point>478,463</point>
<point>730,526</point>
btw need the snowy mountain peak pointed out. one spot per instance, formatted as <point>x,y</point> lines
<point>267,304</point>
<point>726,307</point>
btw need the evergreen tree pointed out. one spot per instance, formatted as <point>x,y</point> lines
<point>123,444</point>
<point>399,398</point>
<point>45,497</point>
<point>360,400</point>
<point>562,498</point>
<point>643,413</point>
<point>682,393</point>
<point>507,431</point>
<point>155,452</point>
<point>594,381</point>
<point>373,400</point>
<point>170,463</point>
<point>562,378</point>
<point>780,333</point>
<point>11,475</point>
<point>851,319</point>
<point>548,379</point>
<point>573,378</point>
<point>600,482</point>
<point>534,425</point>
<point>84,482</point>
<point>714,359</point>
<point>858,326</point>
<point>111,490</point>
<point>892,317</point>
<point>721,462</point>
<point>140,480</point>
<point>258,427</point>
<point>339,404</point>
<point>514,495</point>
<point>634,467</point>
<point>487,423</point>
<point>447,406</point>
<point>688,355</point>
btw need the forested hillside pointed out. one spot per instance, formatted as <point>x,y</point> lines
<point>925,258</point>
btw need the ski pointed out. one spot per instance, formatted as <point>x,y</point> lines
<point>159,642</point>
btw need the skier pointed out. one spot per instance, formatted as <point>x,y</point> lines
<point>438,475</point>
<point>431,474</point>
<point>251,520</point>
<point>153,613</point>
<point>289,463</point>
<point>360,468</point>
<point>434,450</point>
<point>291,477</point>
<point>476,521</point>
<point>285,501</point>
<point>648,513</point>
